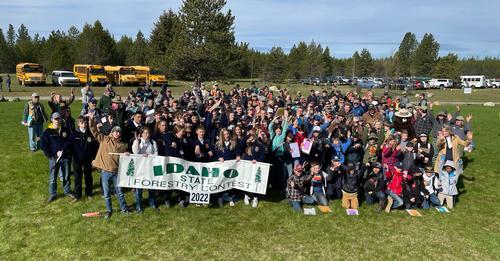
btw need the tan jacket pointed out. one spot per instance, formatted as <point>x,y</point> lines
<point>103,159</point>
<point>456,150</point>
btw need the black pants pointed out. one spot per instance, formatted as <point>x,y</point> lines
<point>83,169</point>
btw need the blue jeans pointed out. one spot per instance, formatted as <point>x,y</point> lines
<point>431,201</point>
<point>138,198</point>
<point>34,132</point>
<point>296,205</point>
<point>107,178</point>
<point>317,197</point>
<point>370,199</point>
<point>398,201</point>
<point>61,167</point>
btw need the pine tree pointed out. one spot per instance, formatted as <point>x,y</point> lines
<point>447,67</point>
<point>405,54</point>
<point>297,58</point>
<point>354,68</point>
<point>96,45</point>
<point>209,36</point>
<point>131,168</point>
<point>258,178</point>
<point>275,69</point>
<point>11,36</point>
<point>365,65</point>
<point>426,55</point>
<point>164,42</point>
<point>327,62</point>
<point>123,46</point>
<point>139,53</point>
<point>24,45</point>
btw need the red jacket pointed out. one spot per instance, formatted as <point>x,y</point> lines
<point>299,138</point>
<point>396,180</point>
<point>389,155</point>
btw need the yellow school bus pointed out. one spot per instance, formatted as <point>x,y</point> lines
<point>157,77</point>
<point>90,73</point>
<point>121,75</point>
<point>30,74</point>
<point>142,74</point>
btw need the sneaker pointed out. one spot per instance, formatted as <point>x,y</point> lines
<point>126,212</point>
<point>389,204</point>
<point>255,202</point>
<point>71,195</point>
<point>182,204</point>
<point>139,211</point>
<point>220,202</point>
<point>51,199</point>
<point>106,215</point>
<point>231,203</point>
<point>246,200</point>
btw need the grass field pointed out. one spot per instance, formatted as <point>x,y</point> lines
<point>31,229</point>
<point>452,95</point>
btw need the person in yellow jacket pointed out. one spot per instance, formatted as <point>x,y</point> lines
<point>108,164</point>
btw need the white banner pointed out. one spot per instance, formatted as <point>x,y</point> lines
<point>167,173</point>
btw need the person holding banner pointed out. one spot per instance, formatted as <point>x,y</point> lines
<point>226,148</point>
<point>143,144</point>
<point>174,148</point>
<point>107,161</point>
<point>254,151</point>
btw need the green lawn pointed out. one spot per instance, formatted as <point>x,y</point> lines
<point>178,87</point>
<point>31,229</point>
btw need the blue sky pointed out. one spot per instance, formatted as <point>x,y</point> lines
<point>468,28</point>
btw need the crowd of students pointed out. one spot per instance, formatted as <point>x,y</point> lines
<point>353,146</point>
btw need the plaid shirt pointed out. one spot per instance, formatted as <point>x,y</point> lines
<point>423,124</point>
<point>297,191</point>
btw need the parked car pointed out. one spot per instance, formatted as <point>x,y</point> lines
<point>366,84</point>
<point>441,83</point>
<point>64,78</point>
<point>494,83</point>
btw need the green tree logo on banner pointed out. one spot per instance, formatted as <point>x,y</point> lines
<point>130,170</point>
<point>258,178</point>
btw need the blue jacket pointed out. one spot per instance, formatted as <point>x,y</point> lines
<point>257,153</point>
<point>227,153</point>
<point>171,151</point>
<point>54,140</point>
<point>84,145</point>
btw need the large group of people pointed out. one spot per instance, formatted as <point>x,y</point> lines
<point>323,146</point>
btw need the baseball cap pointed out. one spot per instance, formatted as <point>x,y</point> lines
<point>55,115</point>
<point>316,128</point>
<point>116,128</point>
<point>399,165</point>
<point>35,94</point>
<point>459,118</point>
<point>377,165</point>
<point>335,158</point>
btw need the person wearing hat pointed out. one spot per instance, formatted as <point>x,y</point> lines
<point>351,182</point>
<point>430,189</point>
<point>460,126</point>
<point>117,111</point>
<point>296,187</point>
<point>34,117</point>
<point>448,178</point>
<point>372,115</point>
<point>104,104</point>
<point>92,108</point>
<point>335,172</point>
<point>408,156</point>
<point>395,176</point>
<point>375,186</point>
<point>56,145</point>
<point>371,151</point>
<point>108,164</point>
<point>354,153</point>
<point>403,121</point>
<point>425,152</point>
<point>423,121</point>
<point>56,101</point>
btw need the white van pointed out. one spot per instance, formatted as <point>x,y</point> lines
<point>440,83</point>
<point>64,78</point>
<point>473,81</point>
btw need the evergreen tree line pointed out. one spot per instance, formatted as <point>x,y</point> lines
<point>198,43</point>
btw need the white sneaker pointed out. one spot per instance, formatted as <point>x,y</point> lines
<point>255,201</point>
<point>246,200</point>
<point>231,203</point>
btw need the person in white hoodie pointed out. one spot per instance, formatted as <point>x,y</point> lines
<point>431,184</point>
<point>143,144</point>
<point>448,179</point>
